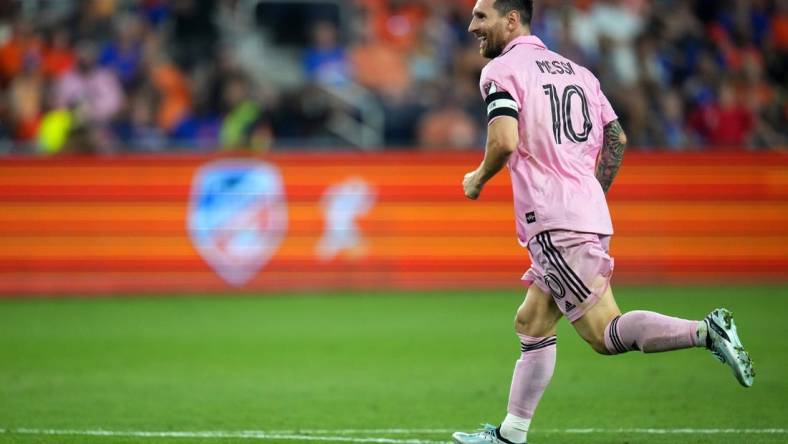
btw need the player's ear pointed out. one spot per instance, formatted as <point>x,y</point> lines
<point>512,20</point>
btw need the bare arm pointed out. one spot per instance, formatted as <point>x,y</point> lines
<point>502,138</point>
<point>614,143</point>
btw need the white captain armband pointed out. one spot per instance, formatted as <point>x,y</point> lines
<point>501,103</point>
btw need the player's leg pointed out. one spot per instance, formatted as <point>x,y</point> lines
<point>609,332</point>
<point>535,324</point>
<point>578,271</point>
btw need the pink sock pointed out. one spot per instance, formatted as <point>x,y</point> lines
<point>532,373</point>
<point>649,332</point>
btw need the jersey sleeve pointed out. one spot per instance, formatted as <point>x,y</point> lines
<point>499,92</point>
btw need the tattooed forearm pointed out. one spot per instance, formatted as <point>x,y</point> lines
<point>614,143</point>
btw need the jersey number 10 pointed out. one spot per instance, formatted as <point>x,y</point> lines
<point>562,113</point>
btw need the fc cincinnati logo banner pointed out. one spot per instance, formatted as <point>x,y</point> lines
<point>237,217</point>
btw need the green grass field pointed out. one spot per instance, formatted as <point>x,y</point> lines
<point>350,368</point>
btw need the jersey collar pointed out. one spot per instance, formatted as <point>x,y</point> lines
<point>524,40</point>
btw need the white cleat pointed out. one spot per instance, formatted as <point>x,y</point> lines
<point>488,435</point>
<point>726,346</point>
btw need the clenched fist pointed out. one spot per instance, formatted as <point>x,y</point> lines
<point>471,185</point>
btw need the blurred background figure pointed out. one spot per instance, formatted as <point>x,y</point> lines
<point>201,75</point>
<point>92,93</point>
<point>325,60</point>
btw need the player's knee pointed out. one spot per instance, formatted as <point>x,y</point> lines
<point>533,326</point>
<point>521,324</point>
<point>598,345</point>
<point>525,324</point>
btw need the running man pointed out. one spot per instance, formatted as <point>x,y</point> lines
<point>550,123</point>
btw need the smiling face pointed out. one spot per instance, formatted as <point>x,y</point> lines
<point>490,27</point>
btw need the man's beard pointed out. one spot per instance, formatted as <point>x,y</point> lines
<point>492,49</point>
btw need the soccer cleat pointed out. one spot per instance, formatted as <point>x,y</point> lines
<point>725,345</point>
<point>488,435</point>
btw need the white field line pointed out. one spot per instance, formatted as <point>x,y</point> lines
<point>580,431</point>
<point>352,435</point>
<point>259,435</point>
<point>672,431</point>
<point>367,431</point>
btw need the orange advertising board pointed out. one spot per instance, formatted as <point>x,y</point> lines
<point>292,222</point>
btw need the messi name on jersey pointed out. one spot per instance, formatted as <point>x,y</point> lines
<point>555,67</point>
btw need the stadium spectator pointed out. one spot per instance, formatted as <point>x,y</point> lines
<point>92,91</point>
<point>425,64</point>
<point>123,54</point>
<point>242,117</point>
<point>723,122</point>
<point>760,97</point>
<point>58,55</point>
<point>171,84</point>
<point>611,22</point>
<point>326,61</point>
<point>379,66</point>
<point>25,91</point>
<point>22,45</point>
<point>55,129</point>
<point>672,134</point>
<point>136,129</point>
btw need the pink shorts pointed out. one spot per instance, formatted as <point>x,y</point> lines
<point>575,268</point>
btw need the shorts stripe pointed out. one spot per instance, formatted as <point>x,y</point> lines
<point>568,268</point>
<point>614,338</point>
<point>551,254</point>
<point>546,342</point>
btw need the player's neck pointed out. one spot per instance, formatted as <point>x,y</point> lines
<point>517,33</point>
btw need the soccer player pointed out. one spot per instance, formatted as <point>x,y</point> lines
<point>550,123</point>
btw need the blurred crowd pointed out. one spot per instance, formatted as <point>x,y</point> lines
<point>108,76</point>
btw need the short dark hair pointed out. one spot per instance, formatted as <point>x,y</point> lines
<point>524,7</point>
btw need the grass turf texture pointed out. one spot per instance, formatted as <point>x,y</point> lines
<point>413,361</point>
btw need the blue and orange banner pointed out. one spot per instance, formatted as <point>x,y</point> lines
<point>291,222</point>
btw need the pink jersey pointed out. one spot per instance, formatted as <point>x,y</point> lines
<point>561,113</point>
